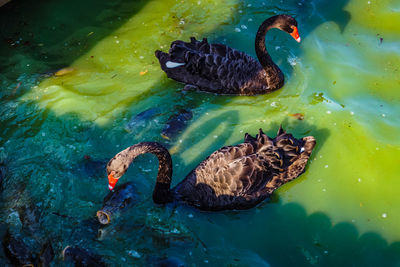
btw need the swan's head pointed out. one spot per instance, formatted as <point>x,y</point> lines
<point>288,24</point>
<point>117,167</point>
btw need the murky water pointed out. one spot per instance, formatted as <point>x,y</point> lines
<point>343,77</point>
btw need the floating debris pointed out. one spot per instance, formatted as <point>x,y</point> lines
<point>143,72</point>
<point>64,71</point>
<point>298,116</point>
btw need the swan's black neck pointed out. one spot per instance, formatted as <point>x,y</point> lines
<point>272,70</point>
<point>162,193</point>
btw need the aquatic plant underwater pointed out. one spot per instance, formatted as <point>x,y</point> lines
<point>59,128</point>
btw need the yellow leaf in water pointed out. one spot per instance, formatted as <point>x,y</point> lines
<point>174,150</point>
<point>143,72</point>
<point>64,71</point>
<point>298,116</point>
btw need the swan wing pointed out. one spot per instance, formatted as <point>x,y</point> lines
<point>228,179</point>
<point>215,68</point>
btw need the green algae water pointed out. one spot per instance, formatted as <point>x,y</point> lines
<point>343,78</point>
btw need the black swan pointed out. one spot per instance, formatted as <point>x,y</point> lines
<point>233,177</point>
<point>219,69</point>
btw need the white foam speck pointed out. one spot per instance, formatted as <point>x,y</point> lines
<point>175,231</point>
<point>292,61</point>
<point>134,253</point>
<point>326,166</point>
<point>117,41</point>
<point>359,180</point>
<point>237,30</point>
<point>351,113</point>
<point>215,136</point>
<point>383,115</point>
<point>328,112</point>
<point>384,215</point>
<point>250,19</point>
<point>244,27</point>
<point>323,190</point>
<point>190,215</point>
<point>43,134</point>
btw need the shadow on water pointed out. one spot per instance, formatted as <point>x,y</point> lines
<point>223,122</point>
<point>25,29</point>
<point>288,236</point>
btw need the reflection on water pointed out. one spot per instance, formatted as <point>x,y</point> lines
<point>57,131</point>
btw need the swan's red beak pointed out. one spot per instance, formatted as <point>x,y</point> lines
<point>112,181</point>
<point>295,34</point>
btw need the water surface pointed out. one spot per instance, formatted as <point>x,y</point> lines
<point>343,76</point>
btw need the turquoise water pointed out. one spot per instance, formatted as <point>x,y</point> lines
<point>343,77</point>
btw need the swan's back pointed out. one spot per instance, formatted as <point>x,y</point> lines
<point>215,68</point>
<point>241,176</point>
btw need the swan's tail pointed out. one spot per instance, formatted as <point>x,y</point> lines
<point>284,149</point>
<point>181,53</point>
